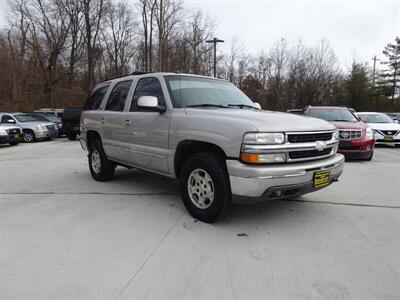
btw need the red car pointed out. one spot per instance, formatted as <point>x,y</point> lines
<point>356,139</point>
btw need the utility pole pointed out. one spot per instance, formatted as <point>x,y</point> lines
<point>215,41</point>
<point>373,70</point>
<point>373,81</point>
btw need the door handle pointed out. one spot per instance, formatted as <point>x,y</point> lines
<point>128,123</point>
<point>102,121</point>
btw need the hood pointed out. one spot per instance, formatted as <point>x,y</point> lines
<point>34,123</point>
<point>7,127</point>
<point>385,126</point>
<point>350,125</point>
<point>268,121</point>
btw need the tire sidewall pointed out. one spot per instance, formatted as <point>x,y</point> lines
<point>222,193</point>
<point>106,171</point>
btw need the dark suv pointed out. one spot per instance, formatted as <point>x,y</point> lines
<point>71,122</point>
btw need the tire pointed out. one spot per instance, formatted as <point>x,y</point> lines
<point>100,167</point>
<point>14,143</point>
<point>29,136</point>
<point>369,158</point>
<point>205,187</point>
<point>72,136</point>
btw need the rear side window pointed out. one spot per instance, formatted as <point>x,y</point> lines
<point>116,101</point>
<point>147,87</point>
<point>96,97</point>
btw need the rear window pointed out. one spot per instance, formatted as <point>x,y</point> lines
<point>95,99</point>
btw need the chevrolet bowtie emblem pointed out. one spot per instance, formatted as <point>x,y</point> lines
<point>320,145</point>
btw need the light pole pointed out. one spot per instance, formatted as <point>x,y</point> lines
<point>215,41</point>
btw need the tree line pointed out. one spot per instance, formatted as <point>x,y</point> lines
<point>52,53</point>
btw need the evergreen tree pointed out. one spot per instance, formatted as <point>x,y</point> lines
<point>391,75</point>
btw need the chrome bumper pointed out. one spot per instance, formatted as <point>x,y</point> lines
<point>254,181</point>
<point>46,134</point>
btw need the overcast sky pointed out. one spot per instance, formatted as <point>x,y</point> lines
<point>353,28</point>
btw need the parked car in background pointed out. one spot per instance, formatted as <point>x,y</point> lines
<point>32,129</point>
<point>386,131</point>
<point>209,135</point>
<point>356,138</point>
<point>58,112</point>
<point>296,111</point>
<point>71,122</point>
<point>10,134</point>
<point>50,118</point>
<point>394,116</point>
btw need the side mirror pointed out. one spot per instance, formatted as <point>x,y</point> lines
<point>256,104</point>
<point>11,121</point>
<point>150,103</point>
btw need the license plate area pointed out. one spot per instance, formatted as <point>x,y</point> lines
<point>321,178</point>
<point>388,138</point>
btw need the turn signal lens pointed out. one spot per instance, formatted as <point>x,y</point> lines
<point>249,157</point>
<point>254,158</point>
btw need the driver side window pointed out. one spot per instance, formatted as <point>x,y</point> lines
<point>6,118</point>
<point>149,86</point>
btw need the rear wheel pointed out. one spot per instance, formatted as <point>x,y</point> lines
<point>29,136</point>
<point>369,158</point>
<point>205,187</point>
<point>101,168</point>
<point>72,136</point>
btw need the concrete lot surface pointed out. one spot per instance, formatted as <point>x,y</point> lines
<point>65,236</point>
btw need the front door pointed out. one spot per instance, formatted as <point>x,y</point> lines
<point>145,142</point>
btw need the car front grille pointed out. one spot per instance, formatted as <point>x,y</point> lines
<point>309,153</point>
<point>349,134</point>
<point>389,132</point>
<point>309,137</point>
<point>12,132</point>
<point>51,127</point>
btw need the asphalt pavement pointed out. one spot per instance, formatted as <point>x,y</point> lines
<point>65,236</point>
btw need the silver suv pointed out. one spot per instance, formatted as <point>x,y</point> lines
<point>209,135</point>
<point>32,128</point>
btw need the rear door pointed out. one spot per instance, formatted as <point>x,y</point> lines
<point>111,119</point>
<point>146,132</point>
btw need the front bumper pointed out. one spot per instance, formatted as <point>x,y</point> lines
<point>5,139</point>
<point>46,134</point>
<point>257,183</point>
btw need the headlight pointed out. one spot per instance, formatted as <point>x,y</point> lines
<point>255,158</point>
<point>41,127</point>
<point>369,134</point>
<point>3,132</point>
<point>335,135</point>
<point>264,138</point>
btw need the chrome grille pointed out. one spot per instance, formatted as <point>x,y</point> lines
<point>349,134</point>
<point>13,131</point>
<point>309,153</point>
<point>51,127</point>
<point>309,137</point>
<point>390,132</point>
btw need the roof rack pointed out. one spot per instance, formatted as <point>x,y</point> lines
<point>121,76</point>
<point>139,73</point>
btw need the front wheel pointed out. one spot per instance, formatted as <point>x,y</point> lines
<point>100,167</point>
<point>205,187</point>
<point>14,143</point>
<point>28,136</point>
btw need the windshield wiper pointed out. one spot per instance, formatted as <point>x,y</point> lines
<point>207,105</point>
<point>341,120</point>
<point>242,106</point>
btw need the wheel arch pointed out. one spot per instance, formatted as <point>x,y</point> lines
<point>186,148</point>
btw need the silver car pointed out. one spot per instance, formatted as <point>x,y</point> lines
<point>210,136</point>
<point>32,129</point>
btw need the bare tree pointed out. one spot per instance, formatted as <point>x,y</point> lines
<point>93,13</point>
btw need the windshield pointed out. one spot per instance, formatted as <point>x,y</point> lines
<point>37,117</point>
<point>51,118</point>
<point>333,115</point>
<point>375,118</point>
<point>196,91</point>
<point>26,118</point>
